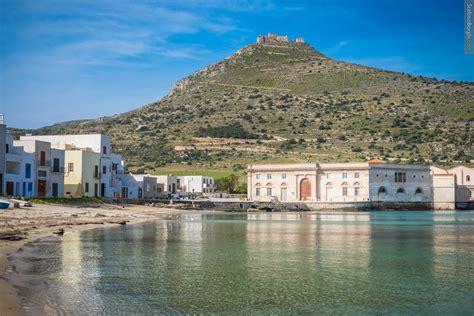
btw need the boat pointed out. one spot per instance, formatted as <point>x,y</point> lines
<point>4,204</point>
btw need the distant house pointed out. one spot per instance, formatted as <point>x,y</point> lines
<point>196,184</point>
<point>169,182</point>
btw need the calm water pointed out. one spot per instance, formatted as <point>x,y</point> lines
<point>352,263</point>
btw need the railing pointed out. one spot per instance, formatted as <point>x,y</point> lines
<point>43,163</point>
<point>58,170</point>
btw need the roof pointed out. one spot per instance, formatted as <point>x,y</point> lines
<point>376,161</point>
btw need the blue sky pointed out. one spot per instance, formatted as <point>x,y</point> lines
<point>64,60</point>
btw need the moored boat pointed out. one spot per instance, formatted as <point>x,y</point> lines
<point>4,204</point>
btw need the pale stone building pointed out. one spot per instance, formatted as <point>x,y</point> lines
<point>372,181</point>
<point>464,186</point>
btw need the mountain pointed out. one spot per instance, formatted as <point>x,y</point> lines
<point>288,102</point>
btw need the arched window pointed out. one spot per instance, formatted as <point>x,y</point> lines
<point>468,178</point>
<point>257,184</point>
<point>382,190</point>
<point>419,191</point>
<point>356,184</point>
<point>269,184</point>
<point>344,184</point>
<point>400,190</point>
<point>329,184</point>
<point>284,184</point>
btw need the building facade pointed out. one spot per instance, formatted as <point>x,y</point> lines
<point>97,143</point>
<point>339,182</point>
<point>3,140</point>
<point>82,173</point>
<point>169,182</point>
<point>196,184</point>
<point>464,186</point>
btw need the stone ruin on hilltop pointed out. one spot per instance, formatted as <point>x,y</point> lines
<point>274,38</point>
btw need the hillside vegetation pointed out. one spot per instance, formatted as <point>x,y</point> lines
<point>290,103</point>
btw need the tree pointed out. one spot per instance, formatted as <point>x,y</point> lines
<point>229,184</point>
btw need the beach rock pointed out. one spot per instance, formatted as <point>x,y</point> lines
<point>59,231</point>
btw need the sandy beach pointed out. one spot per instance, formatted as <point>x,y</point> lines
<point>22,225</point>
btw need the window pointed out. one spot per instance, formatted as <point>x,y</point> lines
<point>400,190</point>
<point>468,178</point>
<point>356,175</point>
<point>87,187</point>
<point>56,164</point>
<point>400,177</point>
<point>257,176</point>
<point>28,171</point>
<point>382,190</point>
<point>328,175</point>
<point>283,176</point>
<point>419,191</point>
<point>344,175</point>
<point>42,173</point>
<point>104,169</point>
<point>257,191</point>
<point>104,150</point>
<point>269,191</point>
<point>30,186</point>
<point>344,191</point>
<point>269,175</point>
<point>42,158</point>
<point>70,167</point>
<point>6,148</point>
<point>356,191</point>
<point>96,171</point>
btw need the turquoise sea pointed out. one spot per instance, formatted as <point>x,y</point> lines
<point>259,263</point>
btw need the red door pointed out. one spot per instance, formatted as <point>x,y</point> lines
<point>305,189</point>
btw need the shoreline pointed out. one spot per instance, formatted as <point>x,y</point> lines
<point>26,225</point>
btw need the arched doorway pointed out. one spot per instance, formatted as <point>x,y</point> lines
<point>305,189</point>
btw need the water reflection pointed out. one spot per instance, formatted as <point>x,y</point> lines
<point>414,262</point>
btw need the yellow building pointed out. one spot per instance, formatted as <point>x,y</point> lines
<point>82,173</point>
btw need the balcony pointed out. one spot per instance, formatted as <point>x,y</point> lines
<point>43,163</point>
<point>58,170</point>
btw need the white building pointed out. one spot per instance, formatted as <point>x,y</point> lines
<point>372,181</point>
<point>20,171</point>
<point>196,184</point>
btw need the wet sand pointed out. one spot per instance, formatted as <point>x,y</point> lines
<point>27,224</point>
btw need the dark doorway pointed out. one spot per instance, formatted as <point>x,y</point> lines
<point>55,189</point>
<point>102,189</point>
<point>10,186</point>
<point>96,189</point>
<point>41,187</point>
<point>1,184</point>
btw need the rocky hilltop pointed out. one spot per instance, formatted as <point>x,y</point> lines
<point>288,102</point>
